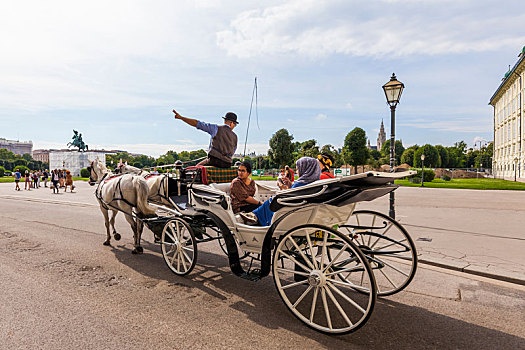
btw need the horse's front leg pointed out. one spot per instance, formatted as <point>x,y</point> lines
<point>106,222</point>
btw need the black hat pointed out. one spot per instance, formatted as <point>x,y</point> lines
<point>231,117</point>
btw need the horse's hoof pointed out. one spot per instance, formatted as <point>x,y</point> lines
<point>117,236</point>
<point>137,250</point>
<point>106,243</point>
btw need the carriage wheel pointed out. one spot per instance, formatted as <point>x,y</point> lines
<point>306,279</point>
<point>390,250</point>
<point>179,246</point>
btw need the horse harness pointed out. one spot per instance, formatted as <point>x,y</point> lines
<point>118,188</point>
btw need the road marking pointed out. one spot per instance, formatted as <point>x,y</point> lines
<point>47,200</point>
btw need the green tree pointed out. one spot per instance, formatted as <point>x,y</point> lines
<point>5,154</point>
<point>443,156</point>
<point>398,150</point>
<point>308,148</point>
<point>2,171</point>
<point>354,149</point>
<point>20,161</point>
<point>431,156</point>
<point>457,155</point>
<point>27,156</point>
<point>408,156</point>
<point>281,148</point>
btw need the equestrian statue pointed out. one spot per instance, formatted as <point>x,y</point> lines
<point>77,142</point>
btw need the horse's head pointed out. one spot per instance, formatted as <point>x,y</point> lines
<point>93,177</point>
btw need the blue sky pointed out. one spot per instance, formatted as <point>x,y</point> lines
<point>115,70</point>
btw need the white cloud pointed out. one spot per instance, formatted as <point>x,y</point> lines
<point>321,117</point>
<point>297,28</point>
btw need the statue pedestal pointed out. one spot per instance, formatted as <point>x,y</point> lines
<point>73,160</point>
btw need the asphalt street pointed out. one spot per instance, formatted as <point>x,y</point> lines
<point>60,288</point>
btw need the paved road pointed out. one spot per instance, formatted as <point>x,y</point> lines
<point>61,288</point>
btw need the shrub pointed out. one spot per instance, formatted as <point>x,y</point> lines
<point>84,172</point>
<point>445,177</point>
<point>21,168</point>
<point>415,180</point>
<point>428,175</point>
<point>2,171</point>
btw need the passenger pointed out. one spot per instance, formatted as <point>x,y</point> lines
<point>289,173</point>
<point>243,190</point>
<point>223,143</point>
<point>283,181</point>
<point>308,170</point>
<point>326,161</point>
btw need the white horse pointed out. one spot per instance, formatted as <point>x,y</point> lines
<point>157,183</point>
<point>121,193</point>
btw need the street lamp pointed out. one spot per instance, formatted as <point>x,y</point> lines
<point>422,169</point>
<point>393,90</point>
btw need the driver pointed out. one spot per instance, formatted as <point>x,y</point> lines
<point>223,141</point>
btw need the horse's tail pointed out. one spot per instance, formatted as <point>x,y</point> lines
<point>142,196</point>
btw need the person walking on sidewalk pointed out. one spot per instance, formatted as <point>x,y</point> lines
<point>54,180</point>
<point>69,181</point>
<point>45,177</point>
<point>27,183</point>
<point>17,179</point>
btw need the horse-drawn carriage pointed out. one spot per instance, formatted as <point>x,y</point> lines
<point>329,261</point>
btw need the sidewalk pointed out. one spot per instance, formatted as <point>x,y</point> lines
<point>474,231</point>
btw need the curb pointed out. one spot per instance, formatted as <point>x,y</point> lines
<point>474,272</point>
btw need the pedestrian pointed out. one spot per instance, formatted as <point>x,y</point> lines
<point>17,179</point>
<point>27,184</point>
<point>35,179</point>
<point>223,141</point>
<point>39,178</point>
<point>46,175</point>
<point>55,178</point>
<point>69,181</point>
<point>61,177</point>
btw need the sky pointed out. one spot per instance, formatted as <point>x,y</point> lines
<point>114,70</point>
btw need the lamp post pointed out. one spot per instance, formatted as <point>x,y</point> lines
<point>422,169</point>
<point>393,90</point>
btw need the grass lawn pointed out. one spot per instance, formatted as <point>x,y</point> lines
<point>474,184</point>
<point>12,179</point>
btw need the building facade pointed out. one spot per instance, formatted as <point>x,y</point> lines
<point>508,101</point>
<point>74,160</point>
<point>41,155</point>
<point>17,147</point>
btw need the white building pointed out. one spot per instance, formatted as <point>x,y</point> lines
<point>508,102</point>
<point>74,161</point>
<point>17,147</point>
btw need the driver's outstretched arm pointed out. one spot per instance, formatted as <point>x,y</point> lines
<point>189,121</point>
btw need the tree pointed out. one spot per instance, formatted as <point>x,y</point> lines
<point>457,155</point>
<point>281,148</point>
<point>5,154</point>
<point>27,156</point>
<point>308,148</point>
<point>354,150</point>
<point>398,151</point>
<point>21,162</point>
<point>408,156</point>
<point>443,156</point>
<point>431,156</point>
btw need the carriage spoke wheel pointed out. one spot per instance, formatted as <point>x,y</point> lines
<point>389,248</point>
<point>306,265</point>
<point>179,246</point>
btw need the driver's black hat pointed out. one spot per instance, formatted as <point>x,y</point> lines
<point>231,117</point>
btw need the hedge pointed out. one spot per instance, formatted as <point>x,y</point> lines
<point>84,172</point>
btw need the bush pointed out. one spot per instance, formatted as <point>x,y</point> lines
<point>22,169</point>
<point>428,175</point>
<point>2,171</point>
<point>84,172</point>
<point>415,180</point>
<point>445,177</point>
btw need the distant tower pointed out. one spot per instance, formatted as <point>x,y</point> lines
<point>381,138</point>
<point>368,145</point>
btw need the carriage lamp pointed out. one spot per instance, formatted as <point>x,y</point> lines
<point>393,90</point>
<point>422,168</point>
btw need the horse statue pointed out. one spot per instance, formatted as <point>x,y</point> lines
<point>77,142</point>
<point>124,192</point>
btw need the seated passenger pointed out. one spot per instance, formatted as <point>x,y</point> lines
<point>308,170</point>
<point>243,190</point>
<point>283,181</point>
<point>326,161</point>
